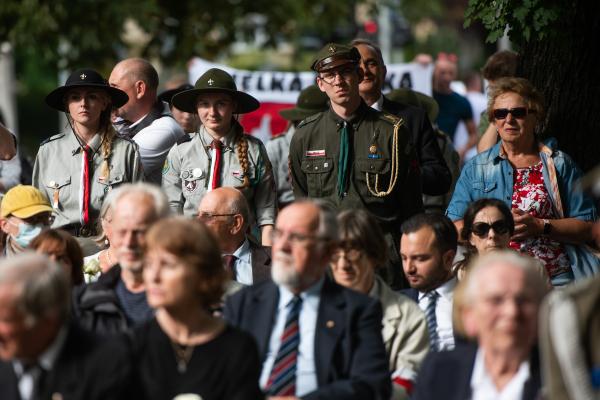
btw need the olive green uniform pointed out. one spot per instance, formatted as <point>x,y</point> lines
<point>58,173</point>
<point>187,170</point>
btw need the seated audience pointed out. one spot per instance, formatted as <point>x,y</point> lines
<point>62,248</point>
<point>100,262</point>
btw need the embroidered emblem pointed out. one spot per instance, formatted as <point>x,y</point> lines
<point>83,76</point>
<point>165,167</point>
<point>190,186</point>
<point>315,153</point>
<point>210,82</point>
<point>373,149</point>
<point>332,49</point>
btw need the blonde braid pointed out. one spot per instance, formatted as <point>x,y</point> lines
<point>242,153</point>
<point>109,136</point>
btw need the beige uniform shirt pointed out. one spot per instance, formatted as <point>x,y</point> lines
<point>58,173</point>
<point>186,174</point>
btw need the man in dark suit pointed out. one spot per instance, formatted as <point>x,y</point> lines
<point>502,297</point>
<point>225,212</point>
<point>316,339</point>
<point>42,355</point>
<point>435,175</point>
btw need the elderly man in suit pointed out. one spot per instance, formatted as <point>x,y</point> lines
<point>316,339</point>
<point>503,294</point>
<point>225,212</point>
<point>42,354</point>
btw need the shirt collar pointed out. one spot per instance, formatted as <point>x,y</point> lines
<point>48,358</point>
<point>285,295</point>
<point>138,121</point>
<point>243,252</point>
<point>227,140</point>
<point>354,120</point>
<point>378,105</point>
<point>444,290</point>
<point>480,374</point>
<point>76,145</point>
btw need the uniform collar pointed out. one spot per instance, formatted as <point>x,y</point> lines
<point>228,140</point>
<point>75,145</point>
<point>355,119</point>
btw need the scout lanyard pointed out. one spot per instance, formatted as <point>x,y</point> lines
<point>394,167</point>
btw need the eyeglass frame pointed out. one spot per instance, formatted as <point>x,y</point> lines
<point>37,219</point>
<point>295,238</point>
<point>516,112</point>
<point>343,72</point>
<point>336,256</point>
<point>500,227</point>
<point>204,216</point>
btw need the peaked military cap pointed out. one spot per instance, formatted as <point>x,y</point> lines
<point>310,101</point>
<point>85,78</point>
<point>167,95</point>
<point>417,99</point>
<point>333,55</point>
<point>214,81</point>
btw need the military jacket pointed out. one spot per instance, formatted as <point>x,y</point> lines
<point>187,170</point>
<point>278,149</point>
<point>314,153</point>
<point>58,173</point>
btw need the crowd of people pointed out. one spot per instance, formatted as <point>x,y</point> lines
<point>162,253</point>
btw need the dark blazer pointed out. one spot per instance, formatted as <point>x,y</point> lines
<point>350,357</point>
<point>88,367</point>
<point>447,375</point>
<point>411,293</point>
<point>261,262</point>
<point>435,175</point>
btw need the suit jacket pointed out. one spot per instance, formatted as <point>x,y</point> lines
<point>411,293</point>
<point>261,262</point>
<point>87,367</point>
<point>447,375</point>
<point>435,175</point>
<point>350,357</point>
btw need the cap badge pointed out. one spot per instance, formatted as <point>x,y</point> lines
<point>83,76</point>
<point>332,49</point>
<point>210,82</point>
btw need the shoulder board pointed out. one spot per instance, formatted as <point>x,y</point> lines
<point>52,138</point>
<point>390,118</point>
<point>309,120</point>
<point>185,138</point>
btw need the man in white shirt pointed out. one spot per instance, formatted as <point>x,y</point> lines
<point>427,248</point>
<point>144,118</point>
<point>225,212</point>
<point>502,296</point>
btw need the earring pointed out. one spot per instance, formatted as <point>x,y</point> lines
<point>106,242</point>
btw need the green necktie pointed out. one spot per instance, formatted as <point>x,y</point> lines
<point>343,160</point>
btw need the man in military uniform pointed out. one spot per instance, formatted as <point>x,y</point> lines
<point>353,156</point>
<point>310,101</point>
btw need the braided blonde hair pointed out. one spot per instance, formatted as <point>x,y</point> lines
<point>242,153</point>
<point>108,134</point>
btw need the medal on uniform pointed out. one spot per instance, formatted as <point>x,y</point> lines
<point>54,185</point>
<point>373,152</point>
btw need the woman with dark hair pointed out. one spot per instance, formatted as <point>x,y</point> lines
<point>362,249</point>
<point>184,349</point>
<point>77,168</point>
<point>221,154</point>
<point>62,248</point>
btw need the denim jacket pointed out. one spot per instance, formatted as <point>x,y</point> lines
<point>490,175</point>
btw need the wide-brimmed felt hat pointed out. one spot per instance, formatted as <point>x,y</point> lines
<point>167,95</point>
<point>85,78</point>
<point>213,81</point>
<point>24,201</point>
<point>417,99</point>
<point>334,55</point>
<point>310,101</point>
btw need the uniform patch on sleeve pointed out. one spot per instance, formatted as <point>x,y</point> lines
<point>315,153</point>
<point>166,167</point>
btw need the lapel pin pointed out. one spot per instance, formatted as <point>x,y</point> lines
<point>330,324</point>
<point>373,149</point>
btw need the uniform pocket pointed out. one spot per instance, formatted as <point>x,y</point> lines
<point>375,169</point>
<point>59,190</point>
<point>318,172</point>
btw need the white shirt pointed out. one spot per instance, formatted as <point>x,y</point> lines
<point>483,388</point>
<point>306,373</point>
<point>243,264</point>
<point>378,105</point>
<point>443,313</point>
<point>28,378</point>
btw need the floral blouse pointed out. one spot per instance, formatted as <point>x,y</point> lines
<point>530,195</point>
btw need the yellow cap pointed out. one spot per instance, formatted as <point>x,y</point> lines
<point>24,201</point>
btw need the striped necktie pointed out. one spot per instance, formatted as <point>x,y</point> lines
<point>434,339</point>
<point>282,381</point>
<point>217,145</point>
<point>88,155</point>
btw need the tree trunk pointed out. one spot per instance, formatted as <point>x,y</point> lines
<point>566,69</point>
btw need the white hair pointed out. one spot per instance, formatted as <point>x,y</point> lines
<point>159,199</point>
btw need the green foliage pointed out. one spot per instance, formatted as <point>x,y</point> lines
<point>526,19</point>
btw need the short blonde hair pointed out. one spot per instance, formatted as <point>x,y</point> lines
<point>521,86</point>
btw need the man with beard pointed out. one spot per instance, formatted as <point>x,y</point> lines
<point>427,247</point>
<point>316,338</point>
<point>117,300</point>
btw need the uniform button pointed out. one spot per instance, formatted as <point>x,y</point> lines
<point>52,184</point>
<point>345,194</point>
<point>507,197</point>
<point>371,166</point>
<point>185,174</point>
<point>197,172</point>
<point>316,168</point>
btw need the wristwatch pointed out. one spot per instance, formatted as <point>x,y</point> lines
<point>547,227</point>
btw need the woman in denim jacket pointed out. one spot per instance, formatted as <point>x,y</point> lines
<point>553,218</point>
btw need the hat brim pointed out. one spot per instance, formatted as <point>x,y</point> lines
<point>167,95</point>
<point>56,98</point>
<point>297,114</point>
<point>186,100</point>
<point>30,211</point>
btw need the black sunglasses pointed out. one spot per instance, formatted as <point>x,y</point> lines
<point>517,112</point>
<point>481,229</point>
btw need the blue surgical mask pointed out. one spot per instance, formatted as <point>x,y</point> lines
<point>27,233</point>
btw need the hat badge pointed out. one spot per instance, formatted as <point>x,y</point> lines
<point>83,76</point>
<point>332,49</point>
<point>210,82</point>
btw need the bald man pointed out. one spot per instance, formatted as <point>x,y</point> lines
<point>144,118</point>
<point>225,212</point>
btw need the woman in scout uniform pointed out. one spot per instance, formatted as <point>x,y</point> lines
<point>77,168</point>
<point>221,154</point>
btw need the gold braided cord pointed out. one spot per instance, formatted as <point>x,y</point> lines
<point>393,169</point>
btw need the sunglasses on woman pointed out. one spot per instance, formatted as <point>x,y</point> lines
<point>517,112</point>
<point>481,229</point>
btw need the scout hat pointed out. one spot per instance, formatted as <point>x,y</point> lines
<point>85,78</point>
<point>310,101</point>
<point>214,80</point>
<point>417,99</point>
<point>333,55</point>
<point>167,95</point>
<point>24,201</point>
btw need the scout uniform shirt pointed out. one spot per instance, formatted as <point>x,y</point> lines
<point>314,168</point>
<point>278,149</point>
<point>186,174</point>
<point>58,173</point>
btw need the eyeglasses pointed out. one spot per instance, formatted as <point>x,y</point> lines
<point>344,74</point>
<point>204,216</point>
<point>481,229</point>
<point>349,254</point>
<point>517,112</point>
<point>40,219</point>
<point>293,237</point>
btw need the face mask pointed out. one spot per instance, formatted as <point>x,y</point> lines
<point>27,233</point>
